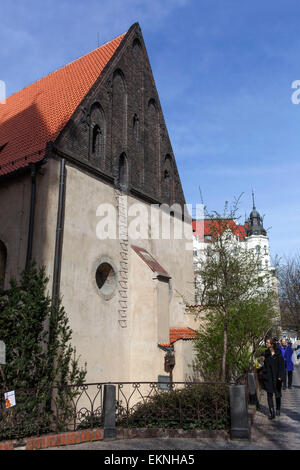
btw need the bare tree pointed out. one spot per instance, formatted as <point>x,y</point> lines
<point>289,293</point>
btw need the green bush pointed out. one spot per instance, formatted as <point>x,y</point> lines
<point>39,359</point>
<point>195,407</point>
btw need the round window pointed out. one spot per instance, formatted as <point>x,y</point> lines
<point>106,278</point>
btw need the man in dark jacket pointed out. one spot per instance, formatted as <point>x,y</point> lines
<point>287,353</point>
<point>273,375</point>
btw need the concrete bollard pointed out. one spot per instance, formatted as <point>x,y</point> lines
<point>109,410</point>
<point>239,413</point>
<point>253,398</point>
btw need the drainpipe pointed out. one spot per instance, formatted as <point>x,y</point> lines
<point>57,260</point>
<point>59,234</point>
<point>31,216</point>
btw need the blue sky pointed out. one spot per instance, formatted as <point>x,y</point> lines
<point>223,70</point>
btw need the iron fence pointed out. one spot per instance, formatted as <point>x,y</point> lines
<point>183,405</point>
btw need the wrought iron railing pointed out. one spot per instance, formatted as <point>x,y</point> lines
<point>185,405</point>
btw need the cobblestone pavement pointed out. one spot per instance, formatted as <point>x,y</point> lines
<point>282,433</point>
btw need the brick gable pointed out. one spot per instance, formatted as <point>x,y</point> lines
<point>132,126</point>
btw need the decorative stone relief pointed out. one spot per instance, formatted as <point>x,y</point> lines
<point>121,202</point>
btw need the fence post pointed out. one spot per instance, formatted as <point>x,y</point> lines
<point>253,398</point>
<point>109,411</point>
<point>239,413</point>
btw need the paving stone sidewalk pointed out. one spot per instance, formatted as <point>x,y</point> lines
<point>282,433</point>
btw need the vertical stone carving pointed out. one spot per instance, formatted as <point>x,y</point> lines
<point>121,203</point>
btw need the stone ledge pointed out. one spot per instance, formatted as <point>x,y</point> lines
<point>78,437</point>
<point>132,433</point>
<point>54,440</point>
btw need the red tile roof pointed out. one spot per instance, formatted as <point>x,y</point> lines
<point>150,261</point>
<point>180,333</point>
<point>36,114</point>
<point>202,228</point>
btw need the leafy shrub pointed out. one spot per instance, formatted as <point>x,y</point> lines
<point>39,358</point>
<point>195,407</point>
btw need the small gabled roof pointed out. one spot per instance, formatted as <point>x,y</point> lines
<point>37,114</point>
<point>180,333</point>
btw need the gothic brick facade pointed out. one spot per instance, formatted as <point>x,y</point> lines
<point>119,128</point>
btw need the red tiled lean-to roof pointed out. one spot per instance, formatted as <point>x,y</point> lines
<point>180,333</point>
<point>150,261</point>
<point>36,114</point>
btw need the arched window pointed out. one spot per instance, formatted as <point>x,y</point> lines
<point>152,147</point>
<point>167,182</point>
<point>136,128</point>
<point>267,264</point>
<point>97,142</point>
<point>123,172</point>
<point>137,50</point>
<point>3,257</point>
<point>97,136</point>
<point>257,249</point>
<point>119,112</point>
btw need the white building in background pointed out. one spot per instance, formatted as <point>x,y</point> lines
<point>252,235</point>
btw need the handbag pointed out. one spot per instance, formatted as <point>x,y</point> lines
<point>294,359</point>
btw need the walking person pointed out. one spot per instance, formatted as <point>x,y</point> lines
<point>273,374</point>
<point>287,353</point>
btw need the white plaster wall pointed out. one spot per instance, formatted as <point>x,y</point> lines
<point>146,359</point>
<point>97,335</point>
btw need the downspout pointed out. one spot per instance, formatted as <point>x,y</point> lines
<point>57,269</point>
<point>31,216</point>
<point>59,235</point>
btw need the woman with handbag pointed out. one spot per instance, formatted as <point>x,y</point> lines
<point>273,374</point>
